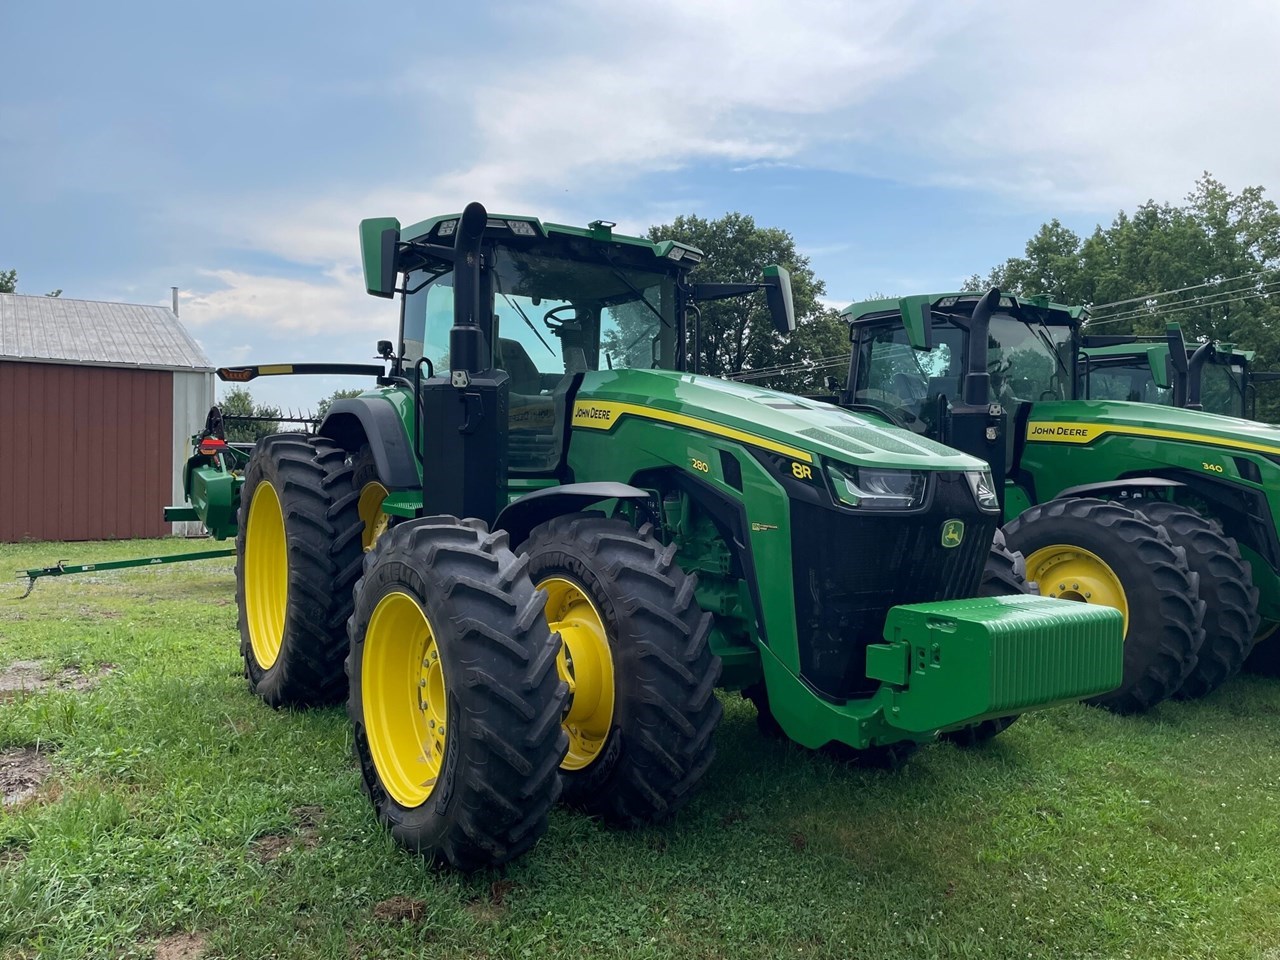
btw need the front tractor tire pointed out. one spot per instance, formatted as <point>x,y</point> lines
<point>455,697</point>
<point>642,706</point>
<point>1097,551</point>
<point>298,550</point>
<point>1226,586</point>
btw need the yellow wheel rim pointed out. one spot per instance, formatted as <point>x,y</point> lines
<point>585,662</point>
<point>1073,573</point>
<point>402,683</point>
<point>266,574</point>
<point>370,507</point>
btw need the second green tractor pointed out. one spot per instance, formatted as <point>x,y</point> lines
<point>1169,514</point>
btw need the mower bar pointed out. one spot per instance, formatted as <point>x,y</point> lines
<point>61,568</point>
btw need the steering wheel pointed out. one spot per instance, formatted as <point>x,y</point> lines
<point>553,315</point>
<point>901,407</point>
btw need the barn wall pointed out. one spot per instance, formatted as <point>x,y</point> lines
<point>192,398</point>
<point>85,452</point>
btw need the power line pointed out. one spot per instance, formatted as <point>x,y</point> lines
<point>763,375</point>
<point>789,367</point>
<point>1158,312</point>
<point>1207,299</point>
<point>1165,293</point>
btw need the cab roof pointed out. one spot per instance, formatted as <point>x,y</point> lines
<point>1038,309</point>
<point>440,230</point>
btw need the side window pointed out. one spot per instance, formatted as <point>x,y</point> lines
<point>527,347</point>
<point>428,317</point>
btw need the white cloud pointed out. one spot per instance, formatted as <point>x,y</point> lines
<point>1090,106</point>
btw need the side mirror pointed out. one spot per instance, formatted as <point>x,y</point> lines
<point>832,384</point>
<point>777,290</point>
<point>379,237</point>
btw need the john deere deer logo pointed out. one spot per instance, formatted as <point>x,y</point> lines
<point>952,533</point>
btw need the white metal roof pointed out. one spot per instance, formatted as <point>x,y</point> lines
<point>61,330</point>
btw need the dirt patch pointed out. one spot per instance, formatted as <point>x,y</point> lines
<point>490,909</point>
<point>12,856</point>
<point>304,836</point>
<point>181,946</point>
<point>400,910</point>
<point>29,676</point>
<point>22,770</point>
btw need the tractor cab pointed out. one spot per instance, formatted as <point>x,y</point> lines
<point>917,363</point>
<point>1214,377</point>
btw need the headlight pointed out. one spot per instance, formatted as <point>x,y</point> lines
<point>874,489</point>
<point>984,490</point>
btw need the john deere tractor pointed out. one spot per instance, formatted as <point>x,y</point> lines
<point>543,540</point>
<point>1210,376</point>
<point>1167,514</point>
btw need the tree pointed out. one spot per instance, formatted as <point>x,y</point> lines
<point>238,402</point>
<point>736,336</point>
<point>9,283</point>
<point>1212,263</point>
<point>322,408</point>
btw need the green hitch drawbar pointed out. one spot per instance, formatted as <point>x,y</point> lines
<point>62,568</point>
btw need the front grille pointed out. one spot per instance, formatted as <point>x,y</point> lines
<point>851,566</point>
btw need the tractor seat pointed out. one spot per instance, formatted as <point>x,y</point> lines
<point>515,359</point>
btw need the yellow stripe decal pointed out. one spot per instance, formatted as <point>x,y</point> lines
<point>1054,431</point>
<point>602,415</point>
<point>274,369</point>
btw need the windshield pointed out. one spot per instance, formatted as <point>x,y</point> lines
<point>1222,389</point>
<point>1129,380</point>
<point>552,316</point>
<point>1025,363</point>
<point>1221,385</point>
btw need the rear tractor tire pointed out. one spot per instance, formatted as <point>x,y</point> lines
<point>1226,586</point>
<point>1005,575</point>
<point>642,705</point>
<point>298,555</point>
<point>455,698</point>
<point>1097,551</point>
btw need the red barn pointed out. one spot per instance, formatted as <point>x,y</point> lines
<point>98,402</point>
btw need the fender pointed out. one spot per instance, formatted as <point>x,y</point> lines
<point>358,420</point>
<point>520,516</point>
<point>1130,484</point>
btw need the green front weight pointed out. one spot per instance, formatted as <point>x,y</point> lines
<point>965,660</point>
<point>956,662</point>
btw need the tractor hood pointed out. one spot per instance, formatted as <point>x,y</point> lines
<point>757,417</point>
<point>1082,421</point>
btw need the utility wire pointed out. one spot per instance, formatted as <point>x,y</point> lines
<point>754,375</point>
<point>1165,293</point>
<point>788,367</point>
<point>1205,299</point>
<point>1159,312</point>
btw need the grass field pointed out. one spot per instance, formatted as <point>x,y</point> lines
<point>183,818</point>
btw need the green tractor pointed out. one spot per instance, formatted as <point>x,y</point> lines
<point>1168,514</point>
<point>531,554</point>
<point>1214,377</point>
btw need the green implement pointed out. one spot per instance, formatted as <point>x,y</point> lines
<point>62,568</point>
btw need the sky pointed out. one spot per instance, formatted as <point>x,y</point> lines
<point>231,149</point>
